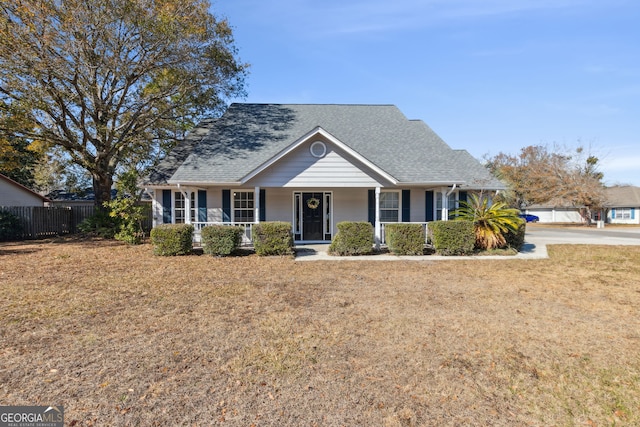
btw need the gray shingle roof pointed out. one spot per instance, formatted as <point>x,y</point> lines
<point>248,135</point>
<point>623,196</point>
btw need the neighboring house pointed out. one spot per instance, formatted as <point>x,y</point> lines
<point>556,211</point>
<point>70,199</point>
<point>623,205</point>
<point>313,166</point>
<point>13,193</point>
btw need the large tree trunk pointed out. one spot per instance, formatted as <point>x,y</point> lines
<point>102,183</point>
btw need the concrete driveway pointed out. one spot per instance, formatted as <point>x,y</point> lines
<point>583,235</point>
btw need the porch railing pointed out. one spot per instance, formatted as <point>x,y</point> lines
<point>246,236</point>
<point>425,226</point>
<point>248,230</point>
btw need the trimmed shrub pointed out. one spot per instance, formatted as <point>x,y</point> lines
<point>10,226</point>
<point>353,238</point>
<point>453,237</point>
<point>405,239</point>
<point>220,240</point>
<point>515,240</point>
<point>172,239</point>
<point>273,238</point>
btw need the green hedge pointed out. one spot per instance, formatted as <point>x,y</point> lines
<point>405,239</point>
<point>172,239</point>
<point>221,240</point>
<point>10,226</point>
<point>273,238</point>
<point>515,240</point>
<point>353,238</point>
<point>453,237</point>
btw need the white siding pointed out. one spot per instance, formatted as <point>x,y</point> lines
<point>301,169</point>
<point>561,215</point>
<point>634,213</point>
<point>13,195</point>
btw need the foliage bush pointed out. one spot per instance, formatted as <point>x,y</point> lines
<point>10,226</point>
<point>353,238</point>
<point>101,224</point>
<point>127,210</point>
<point>491,220</point>
<point>273,238</point>
<point>453,237</point>
<point>172,239</point>
<point>220,240</point>
<point>515,239</point>
<point>405,239</point>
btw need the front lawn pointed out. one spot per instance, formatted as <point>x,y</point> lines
<point>122,337</point>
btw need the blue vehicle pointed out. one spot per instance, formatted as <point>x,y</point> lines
<point>529,217</point>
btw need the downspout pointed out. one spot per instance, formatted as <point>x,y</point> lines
<point>445,203</point>
<point>187,205</point>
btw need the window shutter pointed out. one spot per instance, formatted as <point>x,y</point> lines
<point>613,214</point>
<point>406,205</point>
<point>166,206</point>
<point>202,206</point>
<point>372,207</point>
<point>462,196</point>
<point>263,205</point>
<point>428,206</point>
<point>633,213</point>
<point>226,205</point>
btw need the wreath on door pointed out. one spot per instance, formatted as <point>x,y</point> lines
<point>313,203</point>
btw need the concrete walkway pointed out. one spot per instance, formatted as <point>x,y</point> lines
<point>320,253</point>
<point>535,247</point>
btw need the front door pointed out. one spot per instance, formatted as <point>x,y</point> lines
<point>312,216</point>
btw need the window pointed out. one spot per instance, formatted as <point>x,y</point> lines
<point>243,206</point>
<point>452,202</point>
<point>180,205</point>
<point>623,213</point>
<point>389,206</point>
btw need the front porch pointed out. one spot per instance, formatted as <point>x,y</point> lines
<point>247,235</point>
<point>312,213</point>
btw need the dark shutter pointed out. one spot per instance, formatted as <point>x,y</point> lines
<point>406,205</point>
<point>428,206</point>
<point>166,206</point>
<point>372,207</point>
<point>226,205</point>
<point>202,206</point>
<point>263,205</point>
<point>462,196</point>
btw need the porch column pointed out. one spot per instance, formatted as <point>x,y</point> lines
<point>378,226</point>
<point>256,204</point>
<point>187,203</point>
<point>445,204</point>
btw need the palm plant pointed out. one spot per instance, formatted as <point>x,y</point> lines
<point>491,221</point>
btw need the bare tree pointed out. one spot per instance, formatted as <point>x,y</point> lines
<point>540,175</point>
<point>114,83</point>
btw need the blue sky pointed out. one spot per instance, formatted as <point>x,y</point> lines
<point>488,76</point>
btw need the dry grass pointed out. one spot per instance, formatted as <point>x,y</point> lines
<point>120,337</point>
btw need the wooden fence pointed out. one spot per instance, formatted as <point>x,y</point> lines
<point>42,222</point>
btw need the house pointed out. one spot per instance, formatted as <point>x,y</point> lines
<point>13,193</point>
<point>557,211</point>
<point>623,204</point>
<point>313,166</point>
